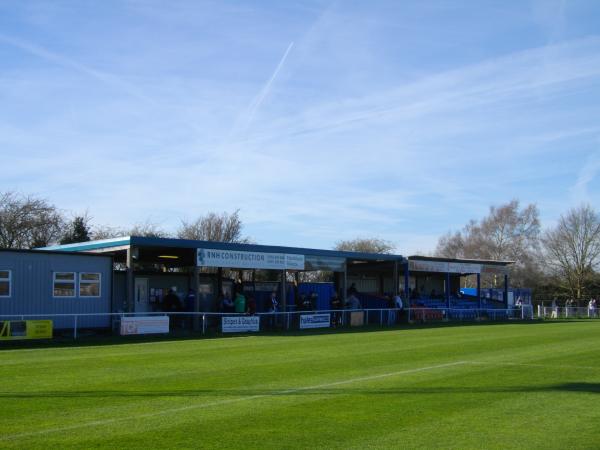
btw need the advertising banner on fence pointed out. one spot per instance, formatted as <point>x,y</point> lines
<point>25,329</point>
<point>207,257</point>
<point>144,325</point>
<point>315,321</point>
<point>240,324</point>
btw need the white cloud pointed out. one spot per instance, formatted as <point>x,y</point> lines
<point>324,159</point>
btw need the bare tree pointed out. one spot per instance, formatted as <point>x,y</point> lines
<point>451,245</point>
<point>506,233</point>
<point>214,227</point>
<point>147,229</point>
<point>573,248</point>
<point>99,232</point>
<point>143,229</point>
<point>365,245</point>
<point>28,222</point>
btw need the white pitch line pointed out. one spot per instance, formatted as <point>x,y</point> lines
<point>225,402</point>
<point>543,366</point>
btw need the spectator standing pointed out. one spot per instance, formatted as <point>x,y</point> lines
<point>313,300</point>
<point>251,305</point>
<point>592,308</point>
<point>240,303</point>
<point>399,306</point>
<point>391,309</point>
<point>190,300</point>
<point>228,305</point>
<point>305,303</point>
<point>352,290</point>
<point>273,308</point>
<point>171,302</point>
<point>352,302</point>
<point>336,306</point>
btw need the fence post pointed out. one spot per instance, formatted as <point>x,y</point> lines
<point>381,318</point>
<point>203,324</point>
<point>75,327</point>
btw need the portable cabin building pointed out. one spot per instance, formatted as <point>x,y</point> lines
<point>49,283</point>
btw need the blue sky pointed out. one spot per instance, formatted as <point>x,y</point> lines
<point>319,120</point>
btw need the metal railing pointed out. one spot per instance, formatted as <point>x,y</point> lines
<point>566,312</point>
<point>213,322</point>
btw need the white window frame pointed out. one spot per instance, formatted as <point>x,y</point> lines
<point>99,283</point>
<point>9,279</point>
<point>54,281</point>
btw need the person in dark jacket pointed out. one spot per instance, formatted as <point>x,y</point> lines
<point>251,305</point>
<point>171,302</point>
<point>336,306</point>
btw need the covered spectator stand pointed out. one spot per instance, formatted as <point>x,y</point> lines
<point>146,268</point>
<point>437,282</point>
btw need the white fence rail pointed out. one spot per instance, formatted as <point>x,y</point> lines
<point>569,312</point>
<point>205,322</point>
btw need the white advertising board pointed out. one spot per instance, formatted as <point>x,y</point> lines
<point>443,267</point>
<point>144,325</point>
<point>240,324</point>
<point>464,267</point>
<point>428,266</point>
<point>315,321</point>
<point>207,257</point>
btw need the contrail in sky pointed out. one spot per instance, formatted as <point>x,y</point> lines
<point>106,78</point>
<point>265,90</point>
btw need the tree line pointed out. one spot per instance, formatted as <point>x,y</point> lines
<point>561,261</point>
<point>28,222</point>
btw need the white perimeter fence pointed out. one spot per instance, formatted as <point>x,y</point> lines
<point>210,323</point>
<point>568,312</point>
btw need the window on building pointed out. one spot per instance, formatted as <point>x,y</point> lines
<point>5,283</point>
<point>64,284</point>
<point>89,284</point>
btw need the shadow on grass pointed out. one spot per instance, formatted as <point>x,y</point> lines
<point>442,390</point>
<point>105,338</point>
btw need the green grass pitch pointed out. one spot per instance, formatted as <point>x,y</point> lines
<point>534,385</point>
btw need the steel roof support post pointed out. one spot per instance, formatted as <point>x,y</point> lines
<point>406,284</point>
<point>479,290</point>
<point>283,293</point>
<point>130,306</point>
<point>220,283</point>
<point>296,295</point>
<point>196,320</point>
<point>345,286</point>
<point>506,290</point>
<point>395,277</point>
<point>448,290</point>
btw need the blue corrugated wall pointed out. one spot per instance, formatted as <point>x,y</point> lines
<point>32,286</point>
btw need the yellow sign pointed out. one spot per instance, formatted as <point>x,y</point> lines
<point>25,329</point>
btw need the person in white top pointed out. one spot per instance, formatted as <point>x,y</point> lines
<point>592,308</point>
<point>398,302</point>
